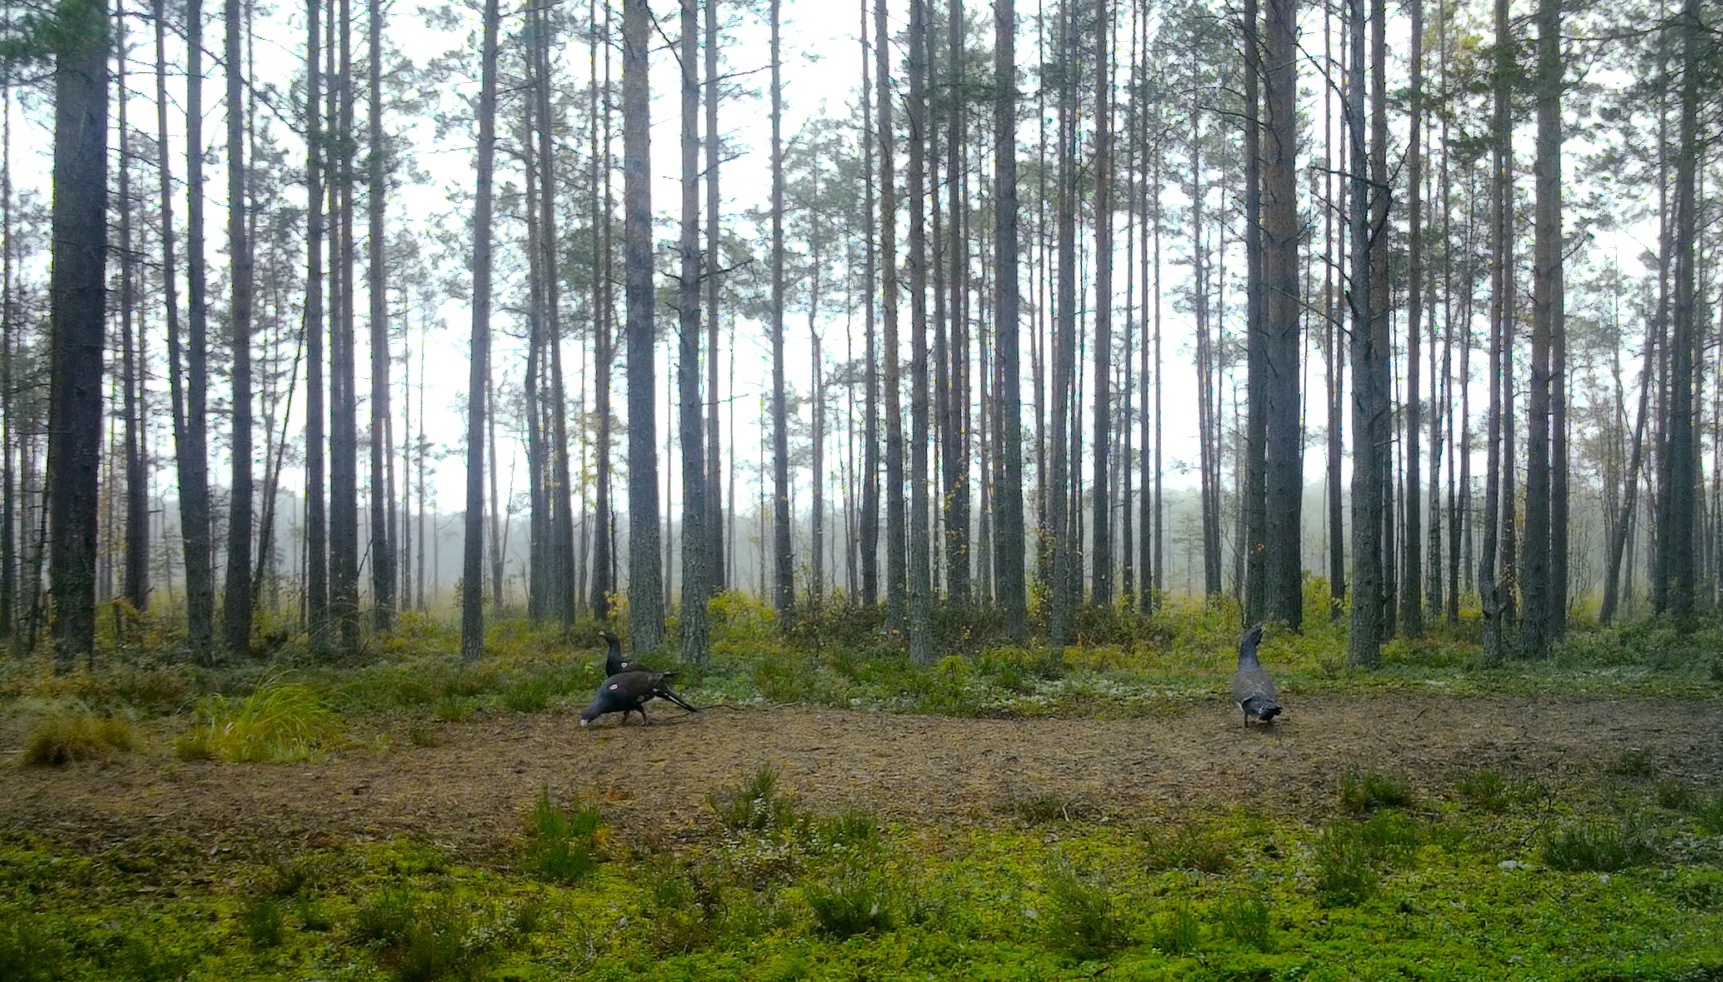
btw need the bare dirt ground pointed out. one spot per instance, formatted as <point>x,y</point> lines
<point>472,790</point>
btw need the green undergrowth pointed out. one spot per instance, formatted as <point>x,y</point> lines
<point>1451,886</point>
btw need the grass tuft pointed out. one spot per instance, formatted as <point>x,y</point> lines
<point>59,740</point>
<point>1085,919</point>
<point>1186,847</point>
<point>1177,931</point>
<point>1048,808</point>
<point>854,903</point>
<point>1245,919</point>
<point>280,721</point>
<point>262,921</point>
<point>1599,848</point>
<point>1485,789</point>
<point>564,848</point>
<point>1637,762</point>
<point>755,804</point>
<point>1344,874</point>
<point>1364,791</point>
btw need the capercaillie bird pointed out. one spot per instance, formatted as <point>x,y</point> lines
<point>1252,689</point>
<point>628,692</point>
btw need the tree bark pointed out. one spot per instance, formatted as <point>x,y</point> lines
<point>77,303</point>
<point>1364,643</point>
<point>1546,300</point>
<point>645,574</point>
<point>1283,478</point>
<point>194,455</point>
<point>376,198</point>
<point>316,521</point>
<point>237,603</point>
<point>136,589</point>
<point>473,540</point>
<point>1411,575</point>
<point>696,642</point>
<point>1101,537</point>
<point>920,570</point>
<point>1008,497</point>
<point>784,559</point>
<point>896,573</point>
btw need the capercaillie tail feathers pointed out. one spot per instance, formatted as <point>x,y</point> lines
<point>1262,709</point>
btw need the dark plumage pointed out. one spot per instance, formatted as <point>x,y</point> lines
<point>1252,689</point>
<point>614,663</point>
<point>629,692</point>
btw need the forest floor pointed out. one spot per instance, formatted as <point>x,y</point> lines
<point>835,812</point>
<point>469,785</point>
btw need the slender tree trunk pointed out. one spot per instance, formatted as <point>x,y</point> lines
<point>1364,644</point>
<point>715,579</point>
<point>696,643</point>
<point>645,576</point>
<point>1678,521</point>
<point>604,356</point>
<point>1283,478</point>
<point>954,396</point>
<point>194,456</point>
<point>316,522</point>
<point>1253,506</point>
<point>896,573</point>
<point>137,543</point>
<point>472,557</point>
<point>76,307</point>
<point>1058,480</point>
<point>561,484</point>
<point>237,604</point>
<point>1411,575</point>
<point>1501,312</point>
<point>9,490</point>
<point>1008,497</point>
<point>382,545</point>
<point>920,570</point>
<point>1546,293</point>
<point>870,424</point>
<point>1101,542</point>
<point>343,425</point>
<point>784,559</point>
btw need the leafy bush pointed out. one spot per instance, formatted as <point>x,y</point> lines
<point>755,804</point>
<point>1362,791</point>
<point>1084,919</point>
<point>564,849</point>
<point>1599,847</point>
<point>280,721</point>
<point>61,739</point>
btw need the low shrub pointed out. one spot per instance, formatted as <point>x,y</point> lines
<point>1177,931</point>
<point>1187,847</point>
